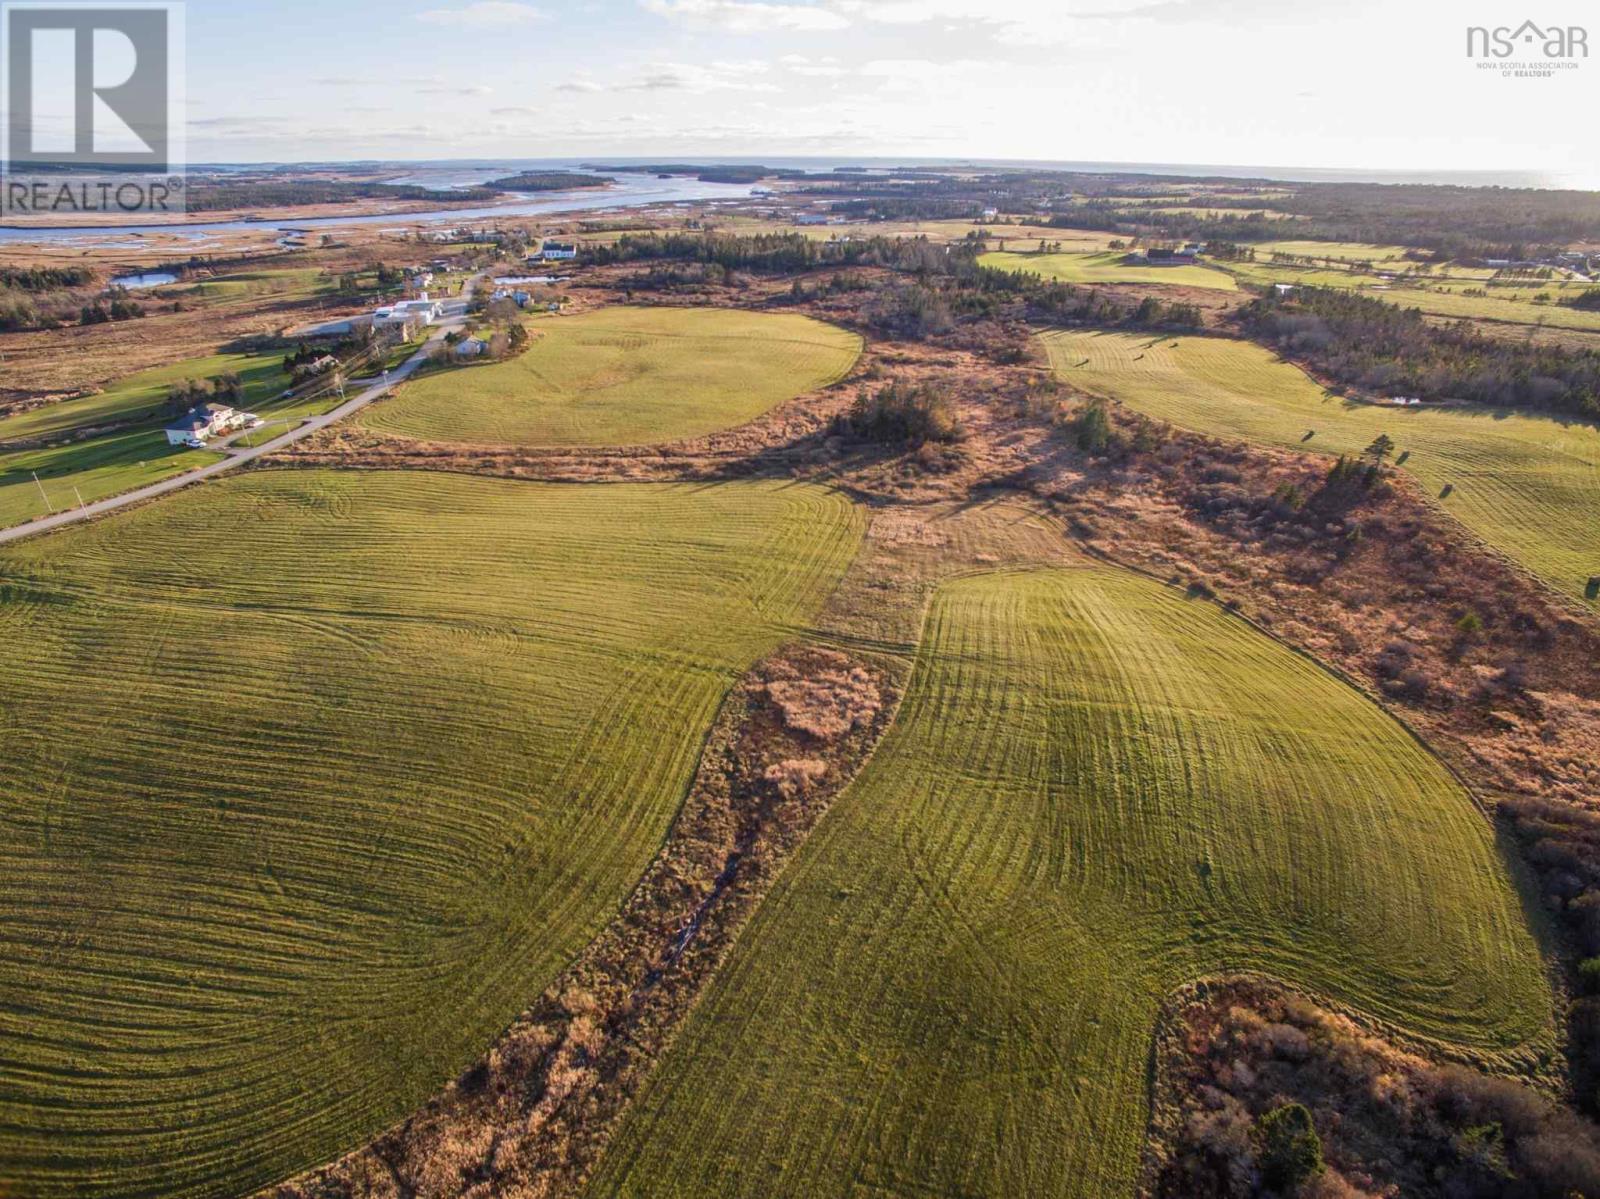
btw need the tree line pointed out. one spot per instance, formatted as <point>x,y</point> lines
<point>212,195</point>
<point>1379,347</point>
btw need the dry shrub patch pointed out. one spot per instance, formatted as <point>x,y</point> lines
<point>833,698</point>
<point>532,1116</point>
<point>1390,1123</point>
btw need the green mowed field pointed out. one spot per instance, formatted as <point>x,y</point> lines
<point>625,376</point>
<point>1348,251</point>
<point>285,282</point>
<point>90,470</point>
<point>367,758</point>
<point>1515,307</point>
<point>142,396</point>
<point>1436,295</point>
<point>126,458</point>
<point>1095,791</point>
<point>1528,485</point>
<point>1107,268</point>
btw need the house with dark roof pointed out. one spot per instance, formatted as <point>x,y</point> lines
<point>203,421</point>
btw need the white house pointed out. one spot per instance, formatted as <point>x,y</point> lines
<point>551,251</point>
<point>203,421</point>
<point>990,214</point>
<point>421,311</point>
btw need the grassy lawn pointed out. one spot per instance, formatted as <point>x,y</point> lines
<point>1437,294</point>
<point>367,758</point>
<point>396,356</point>
<point>1346,251</point>
<point>127,458</point>
<point>1515,307</point>
<point>622,376</point>
<point>289,283</point>
<point>1095,791</point>
<point>141,397</point>
<point>1108,267</point>
<point>1528,485</point>
<point>91,469</point>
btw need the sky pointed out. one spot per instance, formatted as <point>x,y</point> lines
<point>1368,84</point>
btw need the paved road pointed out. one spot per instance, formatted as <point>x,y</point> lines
<point>454,317</point>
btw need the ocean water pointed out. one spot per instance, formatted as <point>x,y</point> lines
<point>643,190</point>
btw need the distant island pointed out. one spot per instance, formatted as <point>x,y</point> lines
<point>707,173</point>
<point>548,181</point>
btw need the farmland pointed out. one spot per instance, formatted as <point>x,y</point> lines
<point>933,230</point>
<point>1516,308</point>
<point>89,470</point>
<point>1342,251</point>
<point>397,760</point>
<point>1107,267</point>
<point>1095,790</point>
<point>122,458</point>
<point>623,376</point>
<point>284,283</point>
<point>1528,485</point>
<point>1440,294</point>
<point>141,396</point>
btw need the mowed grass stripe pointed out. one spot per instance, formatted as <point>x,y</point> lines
<point>1106,267</point>
<point>1095,791</point>
<point>35,482</point>
<point>1528,485</point>
<point>143,396</point>
<point>366,759</point>
<point>624,376</point>
<point>1438,295</point>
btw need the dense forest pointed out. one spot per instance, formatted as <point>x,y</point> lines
<point>1386,350</point>
<point>1454,222</point>
<point>215,195</point>
<point>706,173</point>
<point>776,252</point>
<point>949,285</point>
<point>45,297</point>
<point>548,181</point>
<point>45,278</point>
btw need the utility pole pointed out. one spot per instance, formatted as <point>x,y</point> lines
<point>42,495</point>
<point>81,505</point>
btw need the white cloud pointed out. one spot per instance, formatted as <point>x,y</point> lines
<point>484,14</point>
<point>748,16</point>
<point>819,68</point>
<point>1011,15</point>
<point>698,78</point>
<point>417,81</point>
<point>919,72</point>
